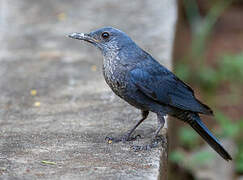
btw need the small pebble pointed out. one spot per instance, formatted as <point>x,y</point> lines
<point>33,92</point>
<point>37,104</point>
<point>93,68</point>
<point>61,16</point>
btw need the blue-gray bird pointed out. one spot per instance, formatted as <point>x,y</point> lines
<point>135,76</point>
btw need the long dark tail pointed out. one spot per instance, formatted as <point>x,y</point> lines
<point>196,123</point>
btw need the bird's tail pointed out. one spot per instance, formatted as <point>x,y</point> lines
<point>196,123</point>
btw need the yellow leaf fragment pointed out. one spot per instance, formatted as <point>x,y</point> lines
<point>37,104</point>
<point>33,92</point>
<point>48,162</point>
<point>61,16</point>
<point>93,68</point>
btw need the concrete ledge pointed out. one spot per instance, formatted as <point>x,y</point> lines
<point>56,109</point>
<point>73,141</point>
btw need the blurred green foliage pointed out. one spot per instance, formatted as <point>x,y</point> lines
<point>239,158</point>
<point>199,158</point>
<point>229,71</point>
<point>233,130</point>
<point>188,138</point>
<point>231,68</point>
<point>226,72</point>
<point>177,156</point>
<point>229,129</point>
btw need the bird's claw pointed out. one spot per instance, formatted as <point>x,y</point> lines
<point>154,143</point>
<point>131,138</point>
<point>123,139</point>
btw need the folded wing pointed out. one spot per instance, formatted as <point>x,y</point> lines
<point>165,88</point>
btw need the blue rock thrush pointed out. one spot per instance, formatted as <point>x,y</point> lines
<point>135,76</point>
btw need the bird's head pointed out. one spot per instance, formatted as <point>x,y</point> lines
<point>106,39</point>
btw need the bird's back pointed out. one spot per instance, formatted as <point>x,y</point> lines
<point>161,85</point>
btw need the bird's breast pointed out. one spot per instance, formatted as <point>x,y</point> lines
<point>115,76</point>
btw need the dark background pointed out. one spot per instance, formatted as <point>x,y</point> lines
<point>208,54</point>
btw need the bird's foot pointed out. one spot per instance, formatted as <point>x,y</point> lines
<point>154,143</point>
<point>123,139</point>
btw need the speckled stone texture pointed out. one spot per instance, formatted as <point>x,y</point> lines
<point>54,103</point>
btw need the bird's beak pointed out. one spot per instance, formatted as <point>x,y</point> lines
<point>83,36</point>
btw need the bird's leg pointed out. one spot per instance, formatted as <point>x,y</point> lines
<point>161,121</point>
<point>156,139</point>
<point>127,137</point>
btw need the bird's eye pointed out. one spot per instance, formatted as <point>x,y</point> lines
<point>105,35</point>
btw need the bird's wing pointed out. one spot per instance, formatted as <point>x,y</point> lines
<point>165,88</point>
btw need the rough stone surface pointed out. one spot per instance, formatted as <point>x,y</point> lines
<point>66,122</point>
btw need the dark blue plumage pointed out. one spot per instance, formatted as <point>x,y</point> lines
<point>139,79</point>
<point>164,87</point>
